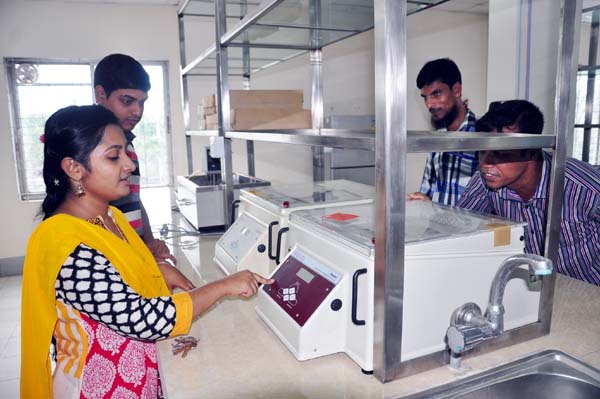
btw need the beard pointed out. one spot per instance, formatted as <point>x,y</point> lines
<point>446,119</point>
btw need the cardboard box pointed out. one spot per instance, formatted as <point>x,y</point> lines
<point>209,110</point>
<point>270,119</point>
<point>259,99</point>
<point>211,119</point>
<point>208,101</point>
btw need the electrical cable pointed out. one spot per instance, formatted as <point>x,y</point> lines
<point>176,235</point>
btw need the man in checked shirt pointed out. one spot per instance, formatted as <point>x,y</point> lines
<point>446,173</point>
<point>514,184</point>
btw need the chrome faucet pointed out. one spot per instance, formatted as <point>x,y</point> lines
<point>468,327</point>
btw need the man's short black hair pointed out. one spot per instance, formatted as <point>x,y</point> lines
<point>120,71</point>
<point>527,117</point>
<point>442,69</point>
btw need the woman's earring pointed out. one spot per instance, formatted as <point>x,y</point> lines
<point>79,191</point>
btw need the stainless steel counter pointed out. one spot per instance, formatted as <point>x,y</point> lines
<point>239,357</point>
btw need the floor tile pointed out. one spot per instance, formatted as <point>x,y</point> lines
<point>10,388</point>
<point>12,348</point>
<point>7,329</point>
<point>10,368</point>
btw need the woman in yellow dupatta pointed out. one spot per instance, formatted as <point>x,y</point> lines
<point>83,245</point>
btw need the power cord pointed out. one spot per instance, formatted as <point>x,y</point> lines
<point>177,236</point>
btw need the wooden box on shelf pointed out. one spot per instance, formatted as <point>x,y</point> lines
<point>259,110</point>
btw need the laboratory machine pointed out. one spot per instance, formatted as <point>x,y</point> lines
<point>200,198</point>
<point>257,239</point>
<point>322,299</point>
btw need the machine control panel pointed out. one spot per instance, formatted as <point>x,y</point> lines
<point>301,284</point>
<point>241,237</point>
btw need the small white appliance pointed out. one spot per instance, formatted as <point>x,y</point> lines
<point>322,299</point>
<point>257,239</point>
<point>200,198</point>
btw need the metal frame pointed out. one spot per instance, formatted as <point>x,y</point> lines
<point>316,62</point>
<point>224,111</point>
<point>591,67</point>
<point>392,142</point>
<point>185,94</point>
<point>390,181</point>
<point>417,141</point>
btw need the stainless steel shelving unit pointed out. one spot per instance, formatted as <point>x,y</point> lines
<point>277,30</point>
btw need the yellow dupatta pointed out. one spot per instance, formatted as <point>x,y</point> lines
<point>48,248</point>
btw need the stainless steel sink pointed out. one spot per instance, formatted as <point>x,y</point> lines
<point>546,375</point>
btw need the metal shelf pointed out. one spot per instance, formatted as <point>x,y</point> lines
<point>206,8</point>
<point>328,137</point>
<point>417,141</point>
<point>202,133</point>
<point>259,59</point>
<point>278,30</point>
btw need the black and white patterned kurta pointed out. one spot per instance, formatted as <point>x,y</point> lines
<point>90,283</point>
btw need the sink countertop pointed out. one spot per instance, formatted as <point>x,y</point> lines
<point>239,357</point>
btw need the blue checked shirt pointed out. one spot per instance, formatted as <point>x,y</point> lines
<point>579,245</point>
<point>446,174</point>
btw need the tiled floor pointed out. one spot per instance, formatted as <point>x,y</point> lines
<point>10,340</point>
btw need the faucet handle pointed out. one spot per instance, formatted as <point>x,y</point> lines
<point>469,313</point>
<point>468,327</point>
<point>463,337</point>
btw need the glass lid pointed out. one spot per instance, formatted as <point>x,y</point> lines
<point>295,196</point>
<point>425,221</point>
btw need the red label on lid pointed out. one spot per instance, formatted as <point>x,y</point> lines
<point>340,217</point>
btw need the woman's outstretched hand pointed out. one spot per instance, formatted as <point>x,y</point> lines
<point>244,283</point>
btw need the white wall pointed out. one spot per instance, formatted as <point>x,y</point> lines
<point>73,31</point>
<point>522,67</point>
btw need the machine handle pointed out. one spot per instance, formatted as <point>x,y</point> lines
<point>234,205</point>
<point>269,245</point>
<point>279,234</point>
<point>355,296</point>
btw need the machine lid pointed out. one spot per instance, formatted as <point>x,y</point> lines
<point>285,198</point>
<point>354,225</point>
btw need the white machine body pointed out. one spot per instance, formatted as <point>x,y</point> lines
<point>451,257</point>
<point>254,238</point>
<point>310,309</point>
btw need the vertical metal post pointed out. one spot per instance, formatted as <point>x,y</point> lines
<point>316,62</point>
<point>223,109</point>
<point>246,86</point>
<point>316,104</point>
<point>185,99</point>
<point>390,166</point>
<point>591,81</point>
<point>246,62</point>
<point>563,120</point>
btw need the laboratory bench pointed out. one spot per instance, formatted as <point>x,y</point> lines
<point>238,356</point>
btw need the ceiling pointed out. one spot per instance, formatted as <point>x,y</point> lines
<point>134,2</point>
<point>474,6</point>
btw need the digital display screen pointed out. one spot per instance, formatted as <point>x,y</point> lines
<point>305,275</point>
